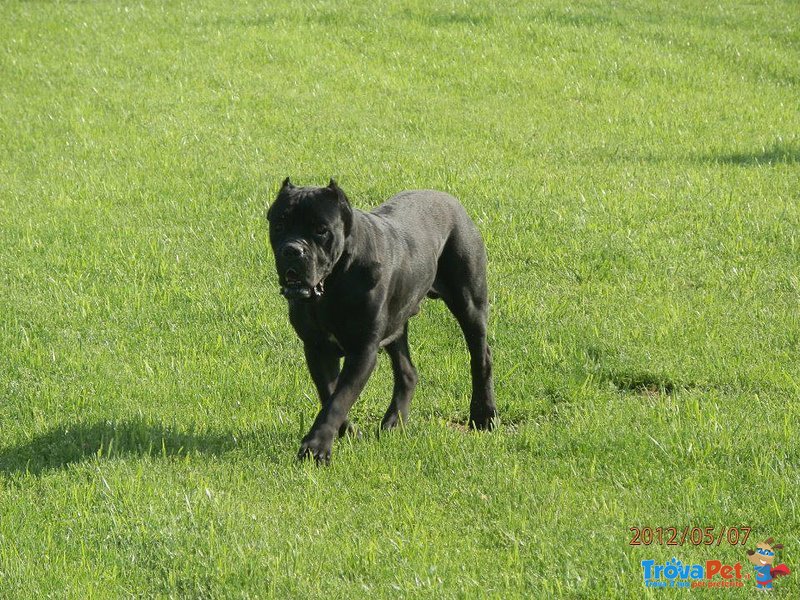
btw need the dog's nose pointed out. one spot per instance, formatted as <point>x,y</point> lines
<point>292,251</point>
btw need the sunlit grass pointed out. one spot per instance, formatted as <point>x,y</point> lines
<point>634,171</point>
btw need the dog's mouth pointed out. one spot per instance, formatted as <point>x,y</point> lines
<point>294,287</point>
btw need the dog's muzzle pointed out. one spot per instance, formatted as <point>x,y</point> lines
<point>297,288</point>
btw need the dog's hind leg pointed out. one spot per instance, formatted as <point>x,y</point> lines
<point>461,283</point>
<point>472,318</point>
<point>405,380</point>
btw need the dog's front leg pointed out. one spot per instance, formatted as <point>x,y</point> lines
<point>355,372</point>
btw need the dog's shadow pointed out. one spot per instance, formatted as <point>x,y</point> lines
<point>73,443</point>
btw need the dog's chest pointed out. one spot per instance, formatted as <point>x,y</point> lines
<point>333,340</point>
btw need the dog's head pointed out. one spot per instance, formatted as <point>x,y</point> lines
<point>308,227</point>
<point>764,554</point>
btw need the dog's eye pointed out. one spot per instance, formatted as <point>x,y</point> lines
<point>320,230</point>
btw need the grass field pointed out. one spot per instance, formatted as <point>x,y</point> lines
<point>635,171</point>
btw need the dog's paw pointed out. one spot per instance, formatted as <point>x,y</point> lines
<point>485,419</point>
<point>348,429</point>
<point>393,419</point>
<point>316,445</point>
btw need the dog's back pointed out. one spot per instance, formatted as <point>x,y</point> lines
<point>433,220</point>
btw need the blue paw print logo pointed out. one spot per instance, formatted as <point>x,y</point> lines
<point>672,568</point>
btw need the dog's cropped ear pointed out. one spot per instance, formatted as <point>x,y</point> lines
<point>344,206</point>
<point>777,546</point>
<point>769,541</point>
<point>286,185</point>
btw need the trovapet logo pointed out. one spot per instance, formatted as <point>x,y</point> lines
<point>762,558</point>
<point>673,573</point>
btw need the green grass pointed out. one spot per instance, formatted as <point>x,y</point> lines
<point>635,170</point>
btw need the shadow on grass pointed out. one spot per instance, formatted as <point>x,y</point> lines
<point>645,384</point>
<point>444,18</point>
<point>72,443</point>
<point>571,18</point>
<point>776,154</point>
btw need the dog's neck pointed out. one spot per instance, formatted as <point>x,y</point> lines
<point>354,246</point>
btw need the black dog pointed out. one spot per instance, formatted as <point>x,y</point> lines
<point>354,279</point>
